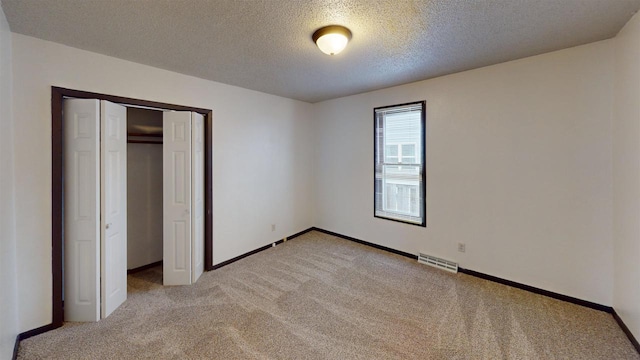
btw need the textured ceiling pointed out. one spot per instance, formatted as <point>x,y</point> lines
<point>266,45</point>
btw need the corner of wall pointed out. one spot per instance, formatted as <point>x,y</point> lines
<point>314,164</point>
<point>626,175</point>
<point>8,275</point>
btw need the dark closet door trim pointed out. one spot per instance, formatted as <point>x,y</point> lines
<point>57,183</point>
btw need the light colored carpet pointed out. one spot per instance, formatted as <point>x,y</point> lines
<point>321,297</point>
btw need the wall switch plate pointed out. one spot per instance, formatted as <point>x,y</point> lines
<point>273,227</point>
<point>462,247</point>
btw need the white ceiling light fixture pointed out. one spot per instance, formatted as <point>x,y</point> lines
<point>332,39</point>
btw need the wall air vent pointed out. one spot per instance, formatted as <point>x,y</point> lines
<point>438,263</point>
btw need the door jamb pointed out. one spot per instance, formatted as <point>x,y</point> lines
<point>57,183</point>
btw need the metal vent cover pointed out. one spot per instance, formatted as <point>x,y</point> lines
<point>438,263</point>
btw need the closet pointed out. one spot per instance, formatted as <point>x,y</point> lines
<point>144,187</point>
<point>133,196</point>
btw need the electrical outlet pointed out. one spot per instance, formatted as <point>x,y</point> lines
<point>462,247</point>
<point>273,227</point>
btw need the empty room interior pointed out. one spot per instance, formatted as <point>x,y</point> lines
<point>320,179</point>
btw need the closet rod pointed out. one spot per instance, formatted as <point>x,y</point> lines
<point>143,134</point>
<point>144,142</point>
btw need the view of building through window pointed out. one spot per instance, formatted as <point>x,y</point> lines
<point>399,167</point>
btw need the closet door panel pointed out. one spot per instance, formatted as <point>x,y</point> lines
<point>176,153</point>
<point>113,206</point>
<point>197,170</point>
<point>82,209</point>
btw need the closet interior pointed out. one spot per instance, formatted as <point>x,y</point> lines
<point>144,188</point>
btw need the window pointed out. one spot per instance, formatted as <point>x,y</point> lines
<point>400,153</point>
<point>399,179</point>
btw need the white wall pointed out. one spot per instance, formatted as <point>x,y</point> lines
<point>518,168</point>
<point>144,204</point>
<point>626,176</point>
<point>262,158</point>
<point>8,303</point>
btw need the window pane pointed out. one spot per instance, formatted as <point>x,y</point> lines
<point>409,159</point>
<point>391,197</point>
<point>391,154</point>
<point>414,201</point>
<point>408,150</point>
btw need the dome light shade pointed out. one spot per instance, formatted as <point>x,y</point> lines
<point>332,39</point>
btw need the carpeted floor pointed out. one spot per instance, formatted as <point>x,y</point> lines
<point>321,297</point>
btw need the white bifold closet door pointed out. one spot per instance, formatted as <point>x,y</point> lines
<point>95,208</point>
<point>113,206</point>
<point>183,198</point>
<point>81,210</point>
<point>197,203</point>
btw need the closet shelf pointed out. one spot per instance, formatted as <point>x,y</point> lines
<point>144,134</point>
